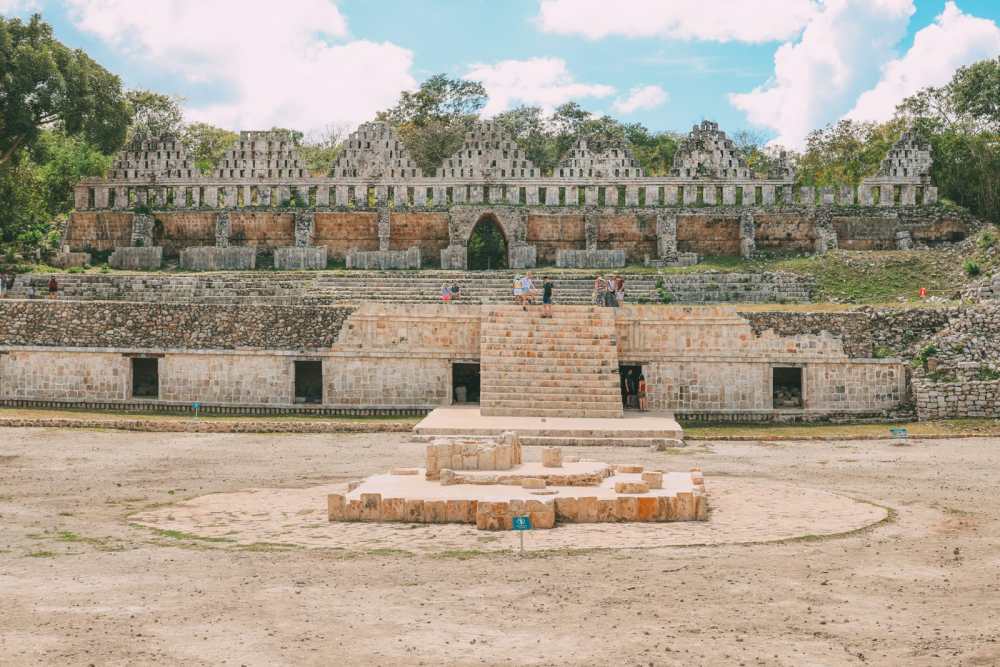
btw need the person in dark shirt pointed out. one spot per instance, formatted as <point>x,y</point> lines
<point>53,288</point>
<point>547,288</point>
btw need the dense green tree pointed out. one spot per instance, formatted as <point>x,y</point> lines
<point>846,152</point>
<point>320,149</point>
<point>432,121</point>
<point>154,115</point>
<point>206,144</point>
<point>61,162</point>
<point>43,85</point>
<point>975,93</point>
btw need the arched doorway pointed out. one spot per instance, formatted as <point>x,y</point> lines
<point>487,245</point>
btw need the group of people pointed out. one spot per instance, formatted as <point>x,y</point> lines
<point>609,291</point>
<point>450,292</point>
<point>634,390</point>
<point>7,285</point>
<point>525,292</point>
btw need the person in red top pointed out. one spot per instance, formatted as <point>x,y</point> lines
<point>53,288</point>
<point>643,407</point>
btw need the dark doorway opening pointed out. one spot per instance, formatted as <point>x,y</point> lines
<point>145,377</point>
<point>487,245</point>
<point>629,379</point>
<point>465,383</point>
<point>308,381</point>
<point>786,387</point>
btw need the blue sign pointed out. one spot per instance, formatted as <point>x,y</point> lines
<point>522,523</point>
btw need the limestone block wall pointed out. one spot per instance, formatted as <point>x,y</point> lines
<point>344,231</point>
<point>386,381</point>
<point>176,230</point>
<point>550,233</point>
<point>711,234</point>
<point>248,379</point>
<point>427,231</point>
<point>59,375</point>
<point>124,325</point>
<point>98,230</point>
<point>950,400</point>
<point>263,230</point>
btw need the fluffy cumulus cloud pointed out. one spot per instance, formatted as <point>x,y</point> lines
<point>12,7</point>
<point>288,64</point>
<point>640,99</point>
<point>721,20</point>
<point>818,77</point>
<point>543,82</point>
<point>953,40</point>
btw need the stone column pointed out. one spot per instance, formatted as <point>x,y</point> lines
<point>81,197</point>
<point>768,192</point>
<point>305,228</point>
<point>496,194</point>
<point>222,229</point>
<point>708,194</point>
<point>572,195</point>
<point>142,230</point>
<point>340,195</point>
<point>865,195</point>
<point>632,195</point>
<point>140,197</point>
<point>909,196</point>
<point>729,195</point>
<point>323,196</point>
<point>904,240</point>
<point>666,236</point>
<point>846,196</point>
<point>748,234</point>
<point>590,230</point>
<point>533,195</point>
<point>690,194</point>
<point>383,228</point>
<point>121,197</point>
<point>886,195</point>
<point>552,195</point>
<point>652,195</point>
<point>930,195</point>
<point>230,197</point>
<point>827,196</point>
<point>826,235</point>
<point>590,195</point>
<point>787,196</point>
<point>807,196</point>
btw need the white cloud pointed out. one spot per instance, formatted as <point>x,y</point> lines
<point>644,97</point>
<point>818,78</point>
<point>12,7</point>
<point>277,63</point>
<point>718,20</point>
<point>953,40</point>
<point>543,82</point>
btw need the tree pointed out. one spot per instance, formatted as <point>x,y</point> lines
<point>321,148</point>
<point>43,84</point>
<point>975,92</point>
<point>62,162</point>
<point>154,115</point>
<point>846,152</point>
<point>433,120</point>
<point>206,144</point>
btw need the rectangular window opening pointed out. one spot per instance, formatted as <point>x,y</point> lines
<point>465,383</point>
<point>786,387</point>
<point>145,377</point>
<point>309,382</point>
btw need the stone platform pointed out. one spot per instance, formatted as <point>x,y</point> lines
<point>635,429</point>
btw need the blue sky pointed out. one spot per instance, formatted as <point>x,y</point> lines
<point>780,67</point>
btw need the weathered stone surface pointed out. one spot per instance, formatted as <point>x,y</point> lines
<point>146,258</point>
<point>208,258</point>
<point>300,258</point>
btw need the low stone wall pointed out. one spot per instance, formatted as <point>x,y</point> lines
<point>146,258</point>
<point>949,400</point>
<point>597,259</point>
<point>300,258</point>
<point>212,258</point>
<point>68,260</point>
<point>853,328</point>
<point>108,324</point>
<point>384,259</point>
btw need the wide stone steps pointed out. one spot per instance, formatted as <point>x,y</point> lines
<point>317,288</point>
<point>619,440</point>
<point>564,366</point>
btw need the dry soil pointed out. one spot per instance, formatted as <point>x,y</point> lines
<point>82,583</point>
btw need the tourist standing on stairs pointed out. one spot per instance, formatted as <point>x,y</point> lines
<point>519,290</point>
<point>445,293</point>
<point>53,288</point>
<point>528,288</point>
<point>620,290</point>
<point>456,292</point>
<point>547,287</point>
<point>599,287</point>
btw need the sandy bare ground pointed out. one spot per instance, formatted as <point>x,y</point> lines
<point>82,583</point>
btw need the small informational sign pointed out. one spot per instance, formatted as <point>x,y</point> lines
<point>196,407</point>
<point>522,523</point>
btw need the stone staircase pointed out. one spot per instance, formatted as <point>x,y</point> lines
<point>565,366</point>
<point>329,287</point>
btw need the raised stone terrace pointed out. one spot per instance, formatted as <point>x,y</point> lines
<point>316,288</point>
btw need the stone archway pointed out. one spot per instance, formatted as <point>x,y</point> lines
<point>487,246</point>
<point>513,222</point>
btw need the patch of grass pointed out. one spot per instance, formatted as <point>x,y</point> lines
<point>42,554</point>
<point>267,547</point>
<point>465,554</point>
<point>181,535</point>
<point>943,428</point>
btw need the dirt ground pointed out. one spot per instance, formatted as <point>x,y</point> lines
<point>82,583</point>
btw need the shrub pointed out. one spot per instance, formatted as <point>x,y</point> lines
<point>987,240</point>
<point>971,268</point>
<point>926,353</point>
<point>987,374</point>
<point>75,269</point>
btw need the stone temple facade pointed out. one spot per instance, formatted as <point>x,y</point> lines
<point>376,208</point>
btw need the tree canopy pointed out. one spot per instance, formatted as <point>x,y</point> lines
<point>46,85</point>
